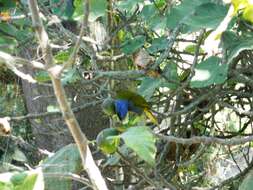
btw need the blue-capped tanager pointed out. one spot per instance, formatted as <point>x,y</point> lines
<point>127,101</point>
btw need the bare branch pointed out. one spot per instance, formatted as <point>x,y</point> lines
<point>207,140</point>
<point>10,61</point>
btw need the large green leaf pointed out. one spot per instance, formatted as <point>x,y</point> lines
<point>152,17</point>
<point>142,142</point>
<point>207,15</point>
<point>148,87</point>
<point>234,44</point>
<point>196,14</point>
<point>247,183</point>
<point>183,10</point>
<point>66,160</point>
<point>132,45</point>
<point>98,9</point>
<point>209,72</point>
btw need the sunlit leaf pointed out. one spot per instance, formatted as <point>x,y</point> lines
<point>192,48</point>
<point>108,140</point>
<point>239,4</point>
<point>248,14</point>
<point>52,108</point>
<point>142,142</point>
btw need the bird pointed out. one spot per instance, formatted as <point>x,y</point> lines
<point>127,101</point>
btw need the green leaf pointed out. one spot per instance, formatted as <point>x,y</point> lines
<point>108,140</point>
<point>132,45</point>
<point>66,160</point>
<point>42,76</point>
<point>28,183</point>
<point>181,11</point>
<point>158,44</point>
<point>6,186</point>
<point>239,4</point>
<point>8,29</point>
<point>234,44</point>
<point>62,8</point>
<point>28,180</point>
<point>19,155</point>
<point>192,48</point>
<point>152,17</point>
<point>209,72</point>
<point>247,182</point>
<point>170,72</point>
<point>142,142</point>
<point>8,44</point>
<point>207,15</point>
<point>52,108</point>
<point>97,9</point>
<point>62,56</point>
<point>148,87</point>
<point>248,13</point>
<point>6,5</point>
<point>18,178</point>
<point>128,6</point>
<point>70,76</point>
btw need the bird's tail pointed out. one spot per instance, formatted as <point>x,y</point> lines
<point>150,115</point>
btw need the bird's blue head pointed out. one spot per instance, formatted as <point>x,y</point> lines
<point>121,108</point>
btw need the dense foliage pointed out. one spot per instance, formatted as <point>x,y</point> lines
<point>190,60</point>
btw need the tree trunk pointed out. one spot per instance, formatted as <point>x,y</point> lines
<point>51,133</point>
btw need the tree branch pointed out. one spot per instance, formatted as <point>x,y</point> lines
<point>206,140</point>
<point>68,115</point>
